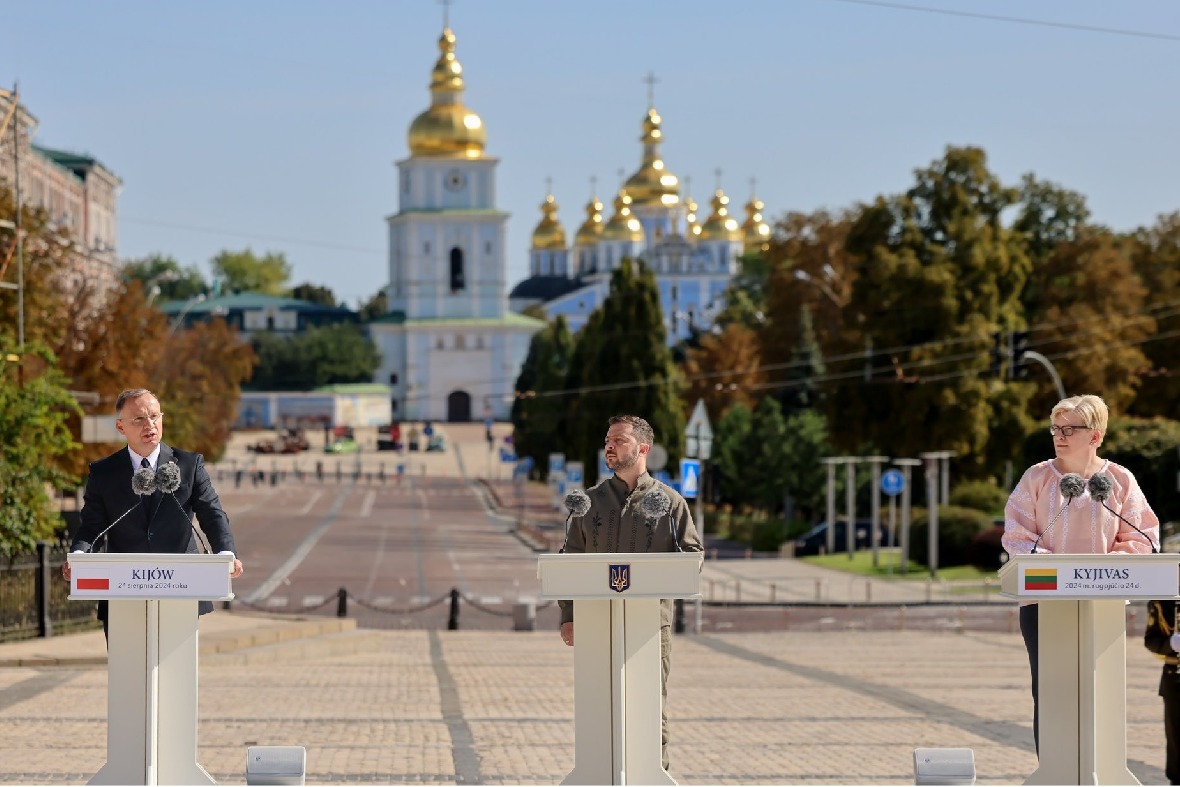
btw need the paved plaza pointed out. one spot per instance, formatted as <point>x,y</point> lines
<point>471,707</point>
<point>838,688</point>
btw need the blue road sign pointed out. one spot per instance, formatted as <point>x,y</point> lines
<point>892,482</point>
<point>573,473</point>
<point>507,455</point>
<point>690,477</point>
<point>603,470</point>
<point>527,463</point>
<point>428,431</point>
<point>663,475</point>
<point>556,463</point>
<point>487,423</point>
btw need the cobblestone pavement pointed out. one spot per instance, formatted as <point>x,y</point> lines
<point>468,707</point>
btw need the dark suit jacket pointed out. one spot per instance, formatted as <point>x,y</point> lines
<point>156,523</point>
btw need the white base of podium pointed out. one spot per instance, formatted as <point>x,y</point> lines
<point>1082,678</point>
<point>617,693</point>
<point>152,667</point>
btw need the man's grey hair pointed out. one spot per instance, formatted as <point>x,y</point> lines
<point>639,427</point>
<point>128,395</point>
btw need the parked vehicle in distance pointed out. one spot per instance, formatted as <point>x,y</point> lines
<point>815,541</point>
<point>342,445</point>
<point>436,443</point>
<point>290,441</point>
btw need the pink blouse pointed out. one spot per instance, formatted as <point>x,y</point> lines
<point>1084,527</point>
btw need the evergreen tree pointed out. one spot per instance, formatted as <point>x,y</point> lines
<point>623,365</point>
<point>538,413</point>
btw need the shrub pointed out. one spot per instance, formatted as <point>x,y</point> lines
<point>957,528</point>
<point>985,551</point>
<point>980,495</point>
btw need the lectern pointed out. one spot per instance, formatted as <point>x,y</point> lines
<point>1082,671</point>
<point>151,658</point>
<point>617,656</point>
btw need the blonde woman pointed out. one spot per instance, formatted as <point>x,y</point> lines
<point>1052,511</point>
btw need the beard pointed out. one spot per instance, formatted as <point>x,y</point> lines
<point>624,461</point>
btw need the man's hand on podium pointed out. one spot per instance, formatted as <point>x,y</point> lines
<point>567,633</point>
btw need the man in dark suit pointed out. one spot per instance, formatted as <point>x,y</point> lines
<point>156,522</point>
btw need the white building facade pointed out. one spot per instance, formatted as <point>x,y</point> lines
<point>451,348</point>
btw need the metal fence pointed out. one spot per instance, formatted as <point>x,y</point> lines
<point>34,599</point>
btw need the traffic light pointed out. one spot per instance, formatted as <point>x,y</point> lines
<point>1020,370</point>
<point>997,354</point>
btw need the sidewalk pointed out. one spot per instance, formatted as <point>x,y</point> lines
<point>471,707</point>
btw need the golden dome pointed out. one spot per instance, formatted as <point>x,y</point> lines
<point>549,233</point>
<point>720,226</point>
<point>447,128</point>
<point>622,225</point>
<point>591,229</point>
<point>694,224</point>
<point>755,231</point>
<point>653,184</point>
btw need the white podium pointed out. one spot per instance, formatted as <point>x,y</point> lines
<point>151,658</point>
<point>617,656</point>
<point>1082,672</point>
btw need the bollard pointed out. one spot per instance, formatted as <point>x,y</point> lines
<point>901,618</point>
<point>749,553</point>
<point>819,590</point>
<point>678,618</point>
<point>711,596</point>
<point>737,590</point>
<point>869,591</point>
<point>342,603</point>
<point>773,591</point>
<point>453,619</point>
<point>1013,620</point>
<point>524,616</point>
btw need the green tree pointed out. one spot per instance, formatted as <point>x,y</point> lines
<point>804,476</point>
<point>730,441</point>
<point>539,411</point>
<point>320,356</point>
<point>1155,254</point>
<point>937,272</point>
<point>244,271</point>
<point>164,272</point>
<point>766,456</point>
<point>35,407</point>
<point>376,307</point>
<point>314,293</point>
<point>624,366</point>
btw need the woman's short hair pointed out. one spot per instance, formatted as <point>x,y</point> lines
<point>1090,408</point>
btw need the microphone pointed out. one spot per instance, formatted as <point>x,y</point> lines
<point>1071,485</point>
<point>577,503</point>
<point>654,505</point>
<point>1100,488</point>
<point>143,483</point>
<point>168,481</point>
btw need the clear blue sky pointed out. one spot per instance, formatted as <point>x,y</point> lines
<point>275,124</point>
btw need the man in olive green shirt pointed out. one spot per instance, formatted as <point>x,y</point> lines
<point>616,522</point>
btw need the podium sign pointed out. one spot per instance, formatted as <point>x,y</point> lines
<point>151,658</point>
<point>156,576</point>
<point>1082,655</point>
<point>1040,577</point>
<point>617,665</point>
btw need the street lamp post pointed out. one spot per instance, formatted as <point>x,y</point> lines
<point>193,301</point>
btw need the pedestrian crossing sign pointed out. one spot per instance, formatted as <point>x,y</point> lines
<point>690,477</point>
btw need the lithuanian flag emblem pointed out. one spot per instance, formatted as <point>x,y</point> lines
<point>1040,579</point>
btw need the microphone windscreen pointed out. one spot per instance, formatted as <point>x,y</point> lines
<point>655,504</point>
<point>1072,485</point>
<point>144,481</point>
<point>1100,486</point>
<point>577,502</point>
<point>168,478</point>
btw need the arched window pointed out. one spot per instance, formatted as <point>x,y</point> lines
<point>458,280</point>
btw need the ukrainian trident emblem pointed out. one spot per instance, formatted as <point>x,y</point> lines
<point>620,576</point>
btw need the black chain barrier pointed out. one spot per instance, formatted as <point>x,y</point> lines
<point>342,597</point>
